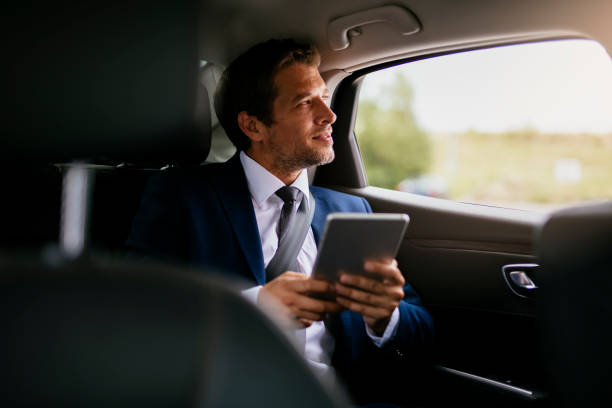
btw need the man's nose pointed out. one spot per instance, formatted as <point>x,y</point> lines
<point>325,116</point>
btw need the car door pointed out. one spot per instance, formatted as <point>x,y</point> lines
<point>473,264</point>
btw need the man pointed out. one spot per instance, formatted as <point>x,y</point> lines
<point>273,104</point>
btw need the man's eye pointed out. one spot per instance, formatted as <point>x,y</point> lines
<point>307,102</point>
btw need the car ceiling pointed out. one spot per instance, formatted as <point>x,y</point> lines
<point>230,26</point>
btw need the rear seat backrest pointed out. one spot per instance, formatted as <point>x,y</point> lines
<point>118,192</point>
<point>30,202</point>
<point>116,198</point>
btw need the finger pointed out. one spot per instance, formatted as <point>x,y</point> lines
<point>362,282</point>
<point>290,275</point>
<point>306,315</point>
<point>389,299</point>
<point>375,313</point>
<point>387,271</point>
<point>312,286</point>
<point>313,305</point>
<point>382,261</point>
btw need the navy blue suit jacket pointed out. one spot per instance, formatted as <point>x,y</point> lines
<point>205,217</point>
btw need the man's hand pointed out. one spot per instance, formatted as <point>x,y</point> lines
<point>374,297</point>
<point>295,290</point>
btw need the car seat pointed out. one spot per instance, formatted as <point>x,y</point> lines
<point>574,308</point>
<point>80,329</point>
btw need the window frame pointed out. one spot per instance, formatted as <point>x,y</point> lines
<point>348,170</point>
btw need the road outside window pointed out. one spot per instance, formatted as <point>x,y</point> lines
<point>525,126</point>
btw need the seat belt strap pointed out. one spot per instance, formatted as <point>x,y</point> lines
<point>285,258</point>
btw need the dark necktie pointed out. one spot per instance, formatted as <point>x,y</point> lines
<point>286,254</point>
<point>293,225</point>
<point>290,196</point>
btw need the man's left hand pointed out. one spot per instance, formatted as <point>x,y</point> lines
<point>376,296</point>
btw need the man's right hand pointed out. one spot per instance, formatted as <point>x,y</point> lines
<point>294,291</point>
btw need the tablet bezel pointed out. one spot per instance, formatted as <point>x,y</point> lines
<point>340,249</point>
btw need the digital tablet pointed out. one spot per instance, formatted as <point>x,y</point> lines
<point>349,239</point>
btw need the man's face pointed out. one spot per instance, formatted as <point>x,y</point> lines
<point>301,133</point>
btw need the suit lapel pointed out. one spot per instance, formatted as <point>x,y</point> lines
<point>234,195</point>
<point>233,191</point>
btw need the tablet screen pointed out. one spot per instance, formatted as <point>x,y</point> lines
<point>349,239</point>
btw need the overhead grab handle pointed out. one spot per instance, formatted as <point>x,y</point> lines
<point>401,18</point>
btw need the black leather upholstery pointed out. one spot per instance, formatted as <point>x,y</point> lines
<point>574,303</point>
<point>95,334</point>
<point>104,82</point>
<point>30,206</point>
<point>101,82</point>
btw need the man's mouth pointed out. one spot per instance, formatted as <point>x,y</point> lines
<point>324,137</point>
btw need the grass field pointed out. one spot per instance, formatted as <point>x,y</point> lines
<point>524,169</point>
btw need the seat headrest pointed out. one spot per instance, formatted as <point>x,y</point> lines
<point>116,81</point>
<point>221,148</point>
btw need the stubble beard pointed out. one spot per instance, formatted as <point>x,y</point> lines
<point>300,159</point>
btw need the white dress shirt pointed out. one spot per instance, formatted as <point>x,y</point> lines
<point>267,205</point>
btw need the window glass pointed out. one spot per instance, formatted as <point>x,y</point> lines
<point>524,126</point>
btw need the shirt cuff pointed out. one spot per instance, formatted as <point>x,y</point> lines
<point>252,294</point>
<point>389,332</point>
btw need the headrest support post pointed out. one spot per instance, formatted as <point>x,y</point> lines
<point>76,193</point>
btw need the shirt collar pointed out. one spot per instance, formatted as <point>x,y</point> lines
<point>263,184</point>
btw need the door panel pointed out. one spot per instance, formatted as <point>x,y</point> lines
<point>453,254</point>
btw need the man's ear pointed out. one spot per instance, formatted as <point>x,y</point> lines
<point>250,126</point>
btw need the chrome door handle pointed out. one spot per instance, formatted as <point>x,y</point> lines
<point>520,278</point>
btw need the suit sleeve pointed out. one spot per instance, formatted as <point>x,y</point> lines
<point>366,367</point>
<point>415,328</point>
<point>158,229</point>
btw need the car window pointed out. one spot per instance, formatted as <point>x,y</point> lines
<point>524,126</point>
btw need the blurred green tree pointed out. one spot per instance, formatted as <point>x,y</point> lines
<point>392,145</point>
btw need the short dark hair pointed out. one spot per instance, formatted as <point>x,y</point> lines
<point>247,84</point>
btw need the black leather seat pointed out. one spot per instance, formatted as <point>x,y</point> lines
<point>105,84</point>
<point>98,334</point>
<point>120,85</point>
<point>574,303</point>
<point>118,190</point>
<point>30,204</point>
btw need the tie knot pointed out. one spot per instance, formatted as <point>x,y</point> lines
<point>289,194</point>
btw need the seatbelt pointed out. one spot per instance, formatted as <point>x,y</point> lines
<point>290,244</point>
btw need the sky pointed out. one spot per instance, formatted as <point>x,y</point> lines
<point>555,86</point>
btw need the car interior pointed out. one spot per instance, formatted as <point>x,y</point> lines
<point>101,96</point>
